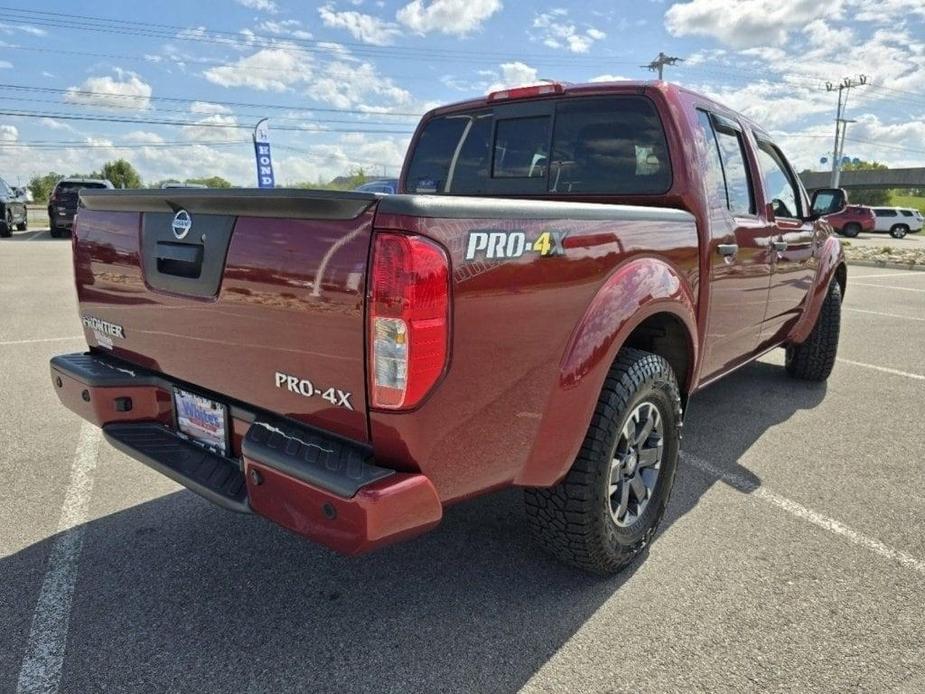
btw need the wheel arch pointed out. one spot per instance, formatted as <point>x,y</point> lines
<point>646,304</point>
<point>831,267</point>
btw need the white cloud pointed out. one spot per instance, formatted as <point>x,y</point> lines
<point>750,22</point>
<point>269,69</point>
<point>53,124</point>
<point>206,129</point>
<point>363,27</point>
<point>609,78</point>
<point>554,29</point>
<point>13,29</point>
<point>126,91</point>
<point>8,133</point>
<point>447,16</point>
<point>260,5</point>
<point>143,137</point>
<point>208,107</point>
<point>346,85</point>
<point>286,27</point>
<point>514,74</point>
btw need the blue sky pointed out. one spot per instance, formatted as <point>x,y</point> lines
<point>343,80</point>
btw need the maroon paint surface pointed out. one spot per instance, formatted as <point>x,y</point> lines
<point>267,317</point>
<point>531,338</point>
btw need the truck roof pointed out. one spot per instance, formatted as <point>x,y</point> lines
<point>599,88</point>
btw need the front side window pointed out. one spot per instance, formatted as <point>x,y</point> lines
<point>779,187</point>
<point>735,170</point>
<point>613,145</point>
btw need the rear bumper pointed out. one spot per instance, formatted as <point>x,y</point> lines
<point>309,481</point>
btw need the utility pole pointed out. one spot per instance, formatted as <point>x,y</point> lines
<point>841,123</point>
<point>658,65</point>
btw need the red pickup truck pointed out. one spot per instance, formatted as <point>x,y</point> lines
<point>564,268</point>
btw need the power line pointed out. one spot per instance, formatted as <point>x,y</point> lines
<point>188,100</point>
<point>191,124</point>
<point>254,40</point>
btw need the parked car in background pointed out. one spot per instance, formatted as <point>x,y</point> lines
<point>917,219</point>
<point>12,210</point>
<point>62,206</point>
<point>853,220</point>
<point>383,186</point>
<point>897,220</point>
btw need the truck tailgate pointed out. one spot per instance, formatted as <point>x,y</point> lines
<point>254,296</point>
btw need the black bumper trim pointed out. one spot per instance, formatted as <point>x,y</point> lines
<point>333,465</point>
<point>218,479</point>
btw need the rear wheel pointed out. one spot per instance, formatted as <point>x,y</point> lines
<point>813,360</point>
<point>6,225</point>
<point>24,224</point>
<point>53,230</point>
<point>851,230</point>
<point>607,508</point>
<point>899,231</point>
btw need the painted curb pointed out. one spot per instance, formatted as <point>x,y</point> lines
<point>885,265</point>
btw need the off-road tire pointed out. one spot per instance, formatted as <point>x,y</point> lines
<point>573,519</point>
<point>813,360</point>
<point>851,229</point>
<point>899,231</point>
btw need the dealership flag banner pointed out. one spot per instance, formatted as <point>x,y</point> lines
<point>265,177</point>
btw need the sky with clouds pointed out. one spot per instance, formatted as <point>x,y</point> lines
<point>175,86</point>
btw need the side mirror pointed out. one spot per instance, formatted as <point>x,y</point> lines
<point>827,201</point>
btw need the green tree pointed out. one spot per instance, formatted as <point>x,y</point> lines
<point>873,197</point>
<point>211,181</point>
<point>120,173</point>
<point>41,185</point>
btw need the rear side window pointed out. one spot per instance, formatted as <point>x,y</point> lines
<point>885,213</point>
<point>597,145</point>
<point>907,213</point>
<point>713,173</point>
<point>735,171</point>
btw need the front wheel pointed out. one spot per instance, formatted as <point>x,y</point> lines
<point>607,508</point>
<point>899,231</point>
<point>851,230</point>
<point>813,360</point>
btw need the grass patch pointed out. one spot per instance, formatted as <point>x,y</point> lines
<point>908,201</point>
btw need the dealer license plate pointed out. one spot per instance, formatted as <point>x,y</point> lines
<point>202,420</point>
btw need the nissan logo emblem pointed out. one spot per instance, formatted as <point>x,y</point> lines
<point>181,225</point>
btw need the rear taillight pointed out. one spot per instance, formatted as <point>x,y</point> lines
<point>409,319</point>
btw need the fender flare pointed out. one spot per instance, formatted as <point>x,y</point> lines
<point>637,290</point>
<point>831,258</point>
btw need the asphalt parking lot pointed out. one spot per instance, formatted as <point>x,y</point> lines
<point>866,239</point>
<point>792,557</point>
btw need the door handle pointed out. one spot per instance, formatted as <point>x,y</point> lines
<point>779,246</point>
<point>727,249</point>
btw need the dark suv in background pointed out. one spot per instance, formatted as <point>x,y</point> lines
<point>62,206</point>
<point>12,210</point>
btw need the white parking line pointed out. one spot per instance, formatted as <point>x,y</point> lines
<point>896,273</point>
<point>886,286</point>
<point>744,484</point>
<point>44,657</point>
<point>884,369</point>
<point>880,313</point>
<point>41,339</point>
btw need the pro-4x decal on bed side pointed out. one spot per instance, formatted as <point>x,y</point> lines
<point>497,244</point>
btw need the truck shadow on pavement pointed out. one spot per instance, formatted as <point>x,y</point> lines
<point>177,595</point>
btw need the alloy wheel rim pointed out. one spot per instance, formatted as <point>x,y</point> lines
<point>635,465</point>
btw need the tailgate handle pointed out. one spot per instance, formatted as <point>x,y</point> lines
<point>179,259</point>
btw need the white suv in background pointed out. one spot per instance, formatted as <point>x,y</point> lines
<point>899,221</point>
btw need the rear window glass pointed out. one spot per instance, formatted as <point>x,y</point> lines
<point>610,145</point>
<point>72,186</point>
<point>907,213</point>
